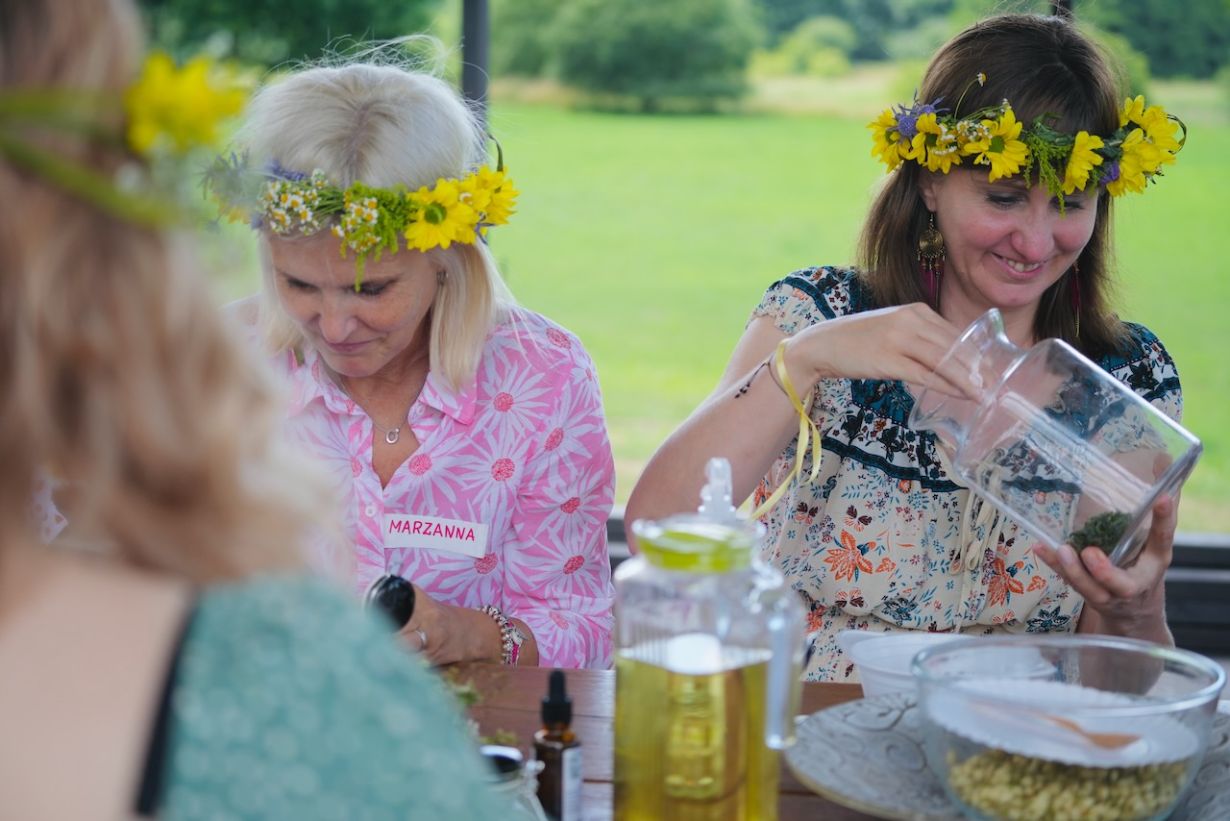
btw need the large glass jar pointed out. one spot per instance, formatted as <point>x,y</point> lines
<point>1056,442</point>
<point>708,655</point>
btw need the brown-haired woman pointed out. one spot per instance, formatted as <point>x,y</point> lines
<point>884,538</point>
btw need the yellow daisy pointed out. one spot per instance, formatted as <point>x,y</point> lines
<point>442,218</point>
<point>1000,148</point>
<point>1138,156</point>
<point>1081,161</point>
<point>935,144</point>
<point>503,199</point>
<point>181,107</point>
<point>884,139</point>
<point>1161,129</point>
<point>1132,111</point>
<point>1159,132</point>
<point>475,189</point>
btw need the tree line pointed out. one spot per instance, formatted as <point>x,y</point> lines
<point>651,54</point>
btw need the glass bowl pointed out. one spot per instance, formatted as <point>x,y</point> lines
<point>1071,727</point>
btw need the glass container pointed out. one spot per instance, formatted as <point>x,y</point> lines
<point>708,657</point>
<point>514,779</point>
<point>1051,439</point>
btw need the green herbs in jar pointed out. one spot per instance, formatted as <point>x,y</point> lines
<point>1014,787</point>
<point>1102,531</point>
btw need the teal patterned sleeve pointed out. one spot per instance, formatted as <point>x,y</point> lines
<point>1147,368</point>
<point>290,702</point>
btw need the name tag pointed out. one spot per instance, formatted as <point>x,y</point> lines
<point>408,530</point>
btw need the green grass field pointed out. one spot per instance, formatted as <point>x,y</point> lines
<point>653,237</point>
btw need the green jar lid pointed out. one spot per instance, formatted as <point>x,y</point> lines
<point>693,544</point>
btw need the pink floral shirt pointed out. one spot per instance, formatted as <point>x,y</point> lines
<point>506,499</point>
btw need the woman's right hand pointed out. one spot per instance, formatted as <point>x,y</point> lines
<point>748,421</point>
<point>905,342</point>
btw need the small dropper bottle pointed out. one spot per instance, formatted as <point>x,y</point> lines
<point>557,747</point>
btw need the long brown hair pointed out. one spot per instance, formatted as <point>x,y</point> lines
<point>118,376</point>
<point>1041,65</point>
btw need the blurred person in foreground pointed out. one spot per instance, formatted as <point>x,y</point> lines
<point>183,667</point>
<point>1003,173</point>
<point>464,434</point>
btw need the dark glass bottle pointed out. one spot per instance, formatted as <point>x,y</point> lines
<point>557,747</point>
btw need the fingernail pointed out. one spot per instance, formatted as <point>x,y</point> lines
<point>1067,555</point>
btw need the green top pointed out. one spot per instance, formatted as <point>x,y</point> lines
<point>290,702</point>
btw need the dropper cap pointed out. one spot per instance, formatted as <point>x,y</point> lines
<point>715,501</point>
<point>557,706</point>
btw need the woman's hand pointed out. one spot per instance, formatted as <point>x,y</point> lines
<point>906,342</point>
<point>1119,601</point>
<point>749,421</point>
<point>446,634</point>
<point>443,634</point>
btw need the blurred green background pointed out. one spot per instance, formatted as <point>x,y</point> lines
<point>676,158</point>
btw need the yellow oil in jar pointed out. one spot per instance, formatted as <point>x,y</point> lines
<point>690,747</point>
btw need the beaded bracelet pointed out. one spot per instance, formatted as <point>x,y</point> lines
<point>510,636</point>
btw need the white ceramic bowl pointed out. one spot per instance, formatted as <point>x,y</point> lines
<point>883,659</point>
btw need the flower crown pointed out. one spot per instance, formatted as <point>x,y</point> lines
<point>368,220</point>
<point>169,113</point>
<point>1124,161</point>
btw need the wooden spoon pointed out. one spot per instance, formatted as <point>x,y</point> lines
<point>1108,741</point>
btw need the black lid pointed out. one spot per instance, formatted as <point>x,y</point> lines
<point>557,706</point>
<point>393,596</point>
<point>505,761</point>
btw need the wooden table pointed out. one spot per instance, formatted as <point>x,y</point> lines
<point>510,700</point>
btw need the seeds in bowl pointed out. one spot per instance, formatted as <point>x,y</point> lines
<point>1013,787</point>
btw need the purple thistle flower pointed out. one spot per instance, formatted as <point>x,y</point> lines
<point>1110,172</point>
<point>274,169</point>
<point>907,118</point>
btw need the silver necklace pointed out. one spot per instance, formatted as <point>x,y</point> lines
<point>391,435</point>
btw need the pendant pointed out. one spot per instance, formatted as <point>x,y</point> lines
<point>392,436</point>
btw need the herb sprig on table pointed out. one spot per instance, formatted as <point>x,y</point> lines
<point>467,696</point>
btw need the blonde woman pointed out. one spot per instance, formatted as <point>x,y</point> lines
<point>465,435</point>
<point>155,673</point>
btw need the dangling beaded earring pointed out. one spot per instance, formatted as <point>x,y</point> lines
<point>1074,295</point>
<point>931,261</point>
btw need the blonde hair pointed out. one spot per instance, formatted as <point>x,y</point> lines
<point>383,125</point>
<point>120,378</point>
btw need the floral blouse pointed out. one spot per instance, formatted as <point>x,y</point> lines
<point>505,501</point>
<point>886,539</point>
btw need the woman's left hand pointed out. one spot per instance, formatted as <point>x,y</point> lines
<point>1123,601</point>
<point>434,631</point>
<point>446,634</point>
